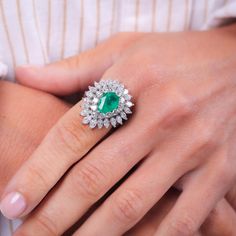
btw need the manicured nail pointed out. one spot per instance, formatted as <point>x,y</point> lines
<point>3,70</point>
<point>13,205</point>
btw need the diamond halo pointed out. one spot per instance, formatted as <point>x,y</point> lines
<point>94,102</point>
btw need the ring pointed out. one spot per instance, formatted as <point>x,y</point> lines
<point>106,103</point>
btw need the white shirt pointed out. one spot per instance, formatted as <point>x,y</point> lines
<point>42,31</point>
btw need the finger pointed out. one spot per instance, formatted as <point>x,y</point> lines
<point>221,221</point>
<point>134,198</point>
<point>87,182</point>
<point>105,165</point>
<point>75,73</point>
<point>66,143</point>
<point>149,223</point>
<point>199,197</point>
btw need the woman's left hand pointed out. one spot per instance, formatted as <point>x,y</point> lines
<point>183,130</point>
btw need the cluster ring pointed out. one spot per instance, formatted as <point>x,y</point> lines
<point>106,103</point>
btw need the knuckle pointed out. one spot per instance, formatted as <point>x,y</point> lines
<point>121,149</point>
<point>72,62</point>
<point>90,180</point>
<point>72,136</point>
<point>46,224</point>
<point>206,138</point>
<point>214,215</point>
<point>78,61</point>
<point>177,104</point>
<point>225,172</point>
<point>206,135</point>
<point>183,226</point>
<point>36,173</point>
<point>121,39</point>
<point>41,222</point>
<point>128,206</point>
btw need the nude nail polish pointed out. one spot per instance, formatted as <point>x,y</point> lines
<point>13,205</point>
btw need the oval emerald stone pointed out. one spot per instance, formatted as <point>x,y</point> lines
<point>108,102</point>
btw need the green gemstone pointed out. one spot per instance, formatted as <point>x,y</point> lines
<point>108,102</point>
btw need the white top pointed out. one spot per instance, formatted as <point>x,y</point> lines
<point>42,31</point>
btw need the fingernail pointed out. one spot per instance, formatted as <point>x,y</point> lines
<point>3,70</point>
<point>13,205</point>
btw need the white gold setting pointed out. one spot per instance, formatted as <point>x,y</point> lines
<point>93,117</point>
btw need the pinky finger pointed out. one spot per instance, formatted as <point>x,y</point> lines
<point>150,222</point>
<point>198,199</point>
<point>221,221</point>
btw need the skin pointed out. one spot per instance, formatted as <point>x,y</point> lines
<point>184,142</point>
<point>19,127</point>
<point>18,102</point>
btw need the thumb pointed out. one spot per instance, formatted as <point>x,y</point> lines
<point>75,73</point>
<point>66,76</point>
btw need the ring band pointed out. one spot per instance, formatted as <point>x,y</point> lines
<point>106,103</point>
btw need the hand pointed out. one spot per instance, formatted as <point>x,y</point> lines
<point>17,104</point>
<point>184,142</point>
